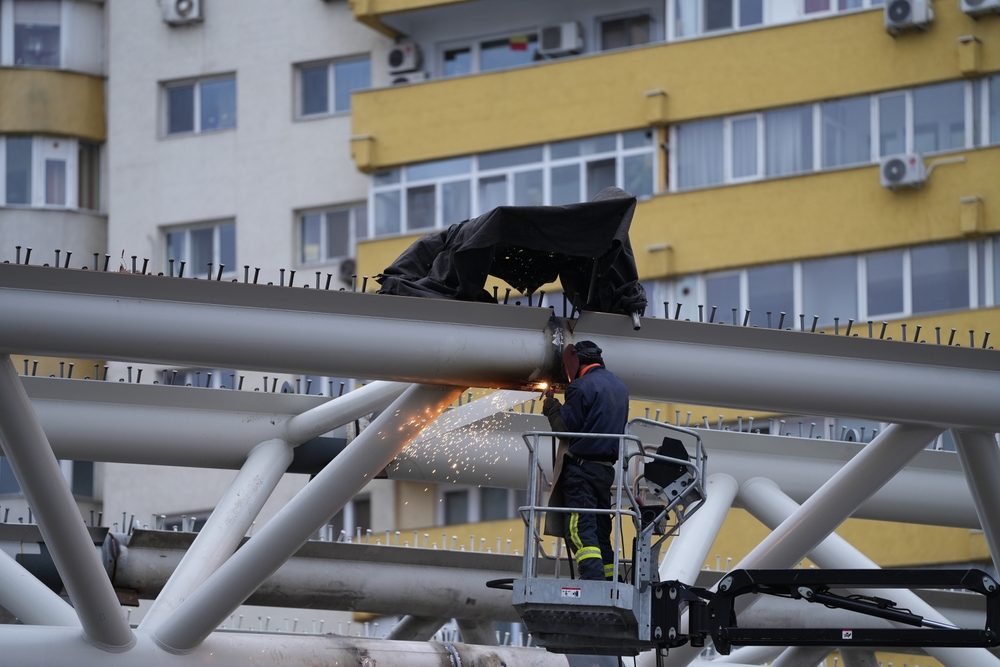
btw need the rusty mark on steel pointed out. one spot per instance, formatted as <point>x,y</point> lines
<point>365,659</point>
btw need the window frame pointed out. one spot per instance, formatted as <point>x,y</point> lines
<point>216,225</point>
<point>352,243</point>
<point>331,86</point>
<point>475,46</point>
<point>196,82</point>
<point>767,18</point>
<point>598,27</point>
<point>67,151</point>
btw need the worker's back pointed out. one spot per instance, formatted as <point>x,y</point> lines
<point>596,402</point>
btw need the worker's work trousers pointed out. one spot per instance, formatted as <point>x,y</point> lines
<point>588,485</point>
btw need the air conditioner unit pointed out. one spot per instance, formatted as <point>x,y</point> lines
<point>408,77</point>
<point>561,39</point>
<point>897,171</point>
<point>903,14</point>
<point>404,57</point>
<point>181,12</point>
<point>980,7</point>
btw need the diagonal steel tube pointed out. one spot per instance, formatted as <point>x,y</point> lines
<point>227,525</point>
<point>980,457</point>
<point>31,601</point>
<point>240,576</point>
<point>341,410</point>
<point>416,628</point>
<point>37,471</point>
<point>690,547</point>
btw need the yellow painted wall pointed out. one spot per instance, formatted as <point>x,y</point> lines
<point>806,216</point>
<point>813,60</point>
<point>379,7</point>
<point>37,101</point>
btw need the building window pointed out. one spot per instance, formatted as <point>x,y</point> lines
<point>692,18</point>
<point>47,172</point>
<point>620,33</point>
<point>8,483</point>
<point>784,142</point>
<point>491,54</point>
<point>437,194</point>
<point>992,99</point>
<point>36,33</point>
<point>325,88</point>
<point>83,479</point>
<point>202,249</point>
<point>456,507</point>
<point>332,234</point>
<point>200,106</point>
<point>880,285</point>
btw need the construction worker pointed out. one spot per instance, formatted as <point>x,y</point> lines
<point>596,402</point>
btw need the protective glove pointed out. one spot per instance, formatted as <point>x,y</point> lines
<point>552,409</point>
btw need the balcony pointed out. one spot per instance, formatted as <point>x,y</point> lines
<point>52,102</point>
<point>372,12</point>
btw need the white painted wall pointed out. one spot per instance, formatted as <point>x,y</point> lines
<point>260,173</point>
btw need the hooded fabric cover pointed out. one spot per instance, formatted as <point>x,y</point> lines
<point>529,246</point>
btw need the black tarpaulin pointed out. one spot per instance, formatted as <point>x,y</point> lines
<point>585,246</point>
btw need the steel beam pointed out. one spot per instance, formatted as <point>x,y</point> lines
<point>237,579</point>
<point>477,632</point>
<point>416,628</point>
<point>227,525</point>
<point>34,646</point>
<point>37,472</point>
<point>30,600</point>
<point>341,410</point>
<point>146,318</point>
<point>980,458</point>
<point>690,547</point>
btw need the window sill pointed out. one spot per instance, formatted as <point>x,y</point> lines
<point>181,135</point>
<point>323,116</point>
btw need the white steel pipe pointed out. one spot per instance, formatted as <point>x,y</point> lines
<point>802,656</point>
<point>35,646</point>
<point>37,472</point>
<point>31,601</point>
<point>341,410</point>
<point>980,458</point>
<point>264,553</point>
<point>690,547</point>
<point>477,632</point>
<point>226,526</point>
<point>765,501</point>
<point>416,628</point>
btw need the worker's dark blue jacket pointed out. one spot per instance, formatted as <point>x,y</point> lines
<point>597,402</point>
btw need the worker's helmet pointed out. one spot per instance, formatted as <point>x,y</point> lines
<point>581,354</point>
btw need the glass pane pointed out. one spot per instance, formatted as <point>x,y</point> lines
<point>751,12</point>
<point>637,138</point>
<point>55,182</point>
<point>565,185</point>
<point>722,292</point>
<point>311,237</point>
<point>744,147</point>
<point>338,234</point>
<point>83,479</point>
<point>8,484</point>
<point>977,112</point>
<point>180,109</point>
<point>360,222</point>
<point>89,176</point>
<point>843,5</point>
<point>638,30</point>
<point>176,242</point>
<point>589,146</point>
<point>362,513</point>
<point>846,132</point>
<point>639,175</point>
<point>19,170</point>
<point>528,189</point>
<point>788,141</point>
<point>770,290</point>
<point>315,89</point>
<point>492,504</point>
<point>939,117</point>
<point>830,289</point>
<point>600,175</point>
<point>456,507</point>
<point>457,61</point>
<point>227,247</point>
<point>817,6</point>
<point>892,124</point>
<point>349,76</point>
<point>994,105</point>
<point>500,53</point>
<point>390,177</point>
<point>981,272</point>
<point>36,45</point>
<point>718,15</point>
<point>201,251</point>
<point>940,277</point>
<point>386,213</point>
<point>420,207</point>
<point>885,283</point>
<point>419,172</point>
<point>699,154</point>
<point>218,104</point>
<point>492,193</point>
<point>513,157</point>
<point>613,34</point>
<point>685,18</point>
<point>456,202</point>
